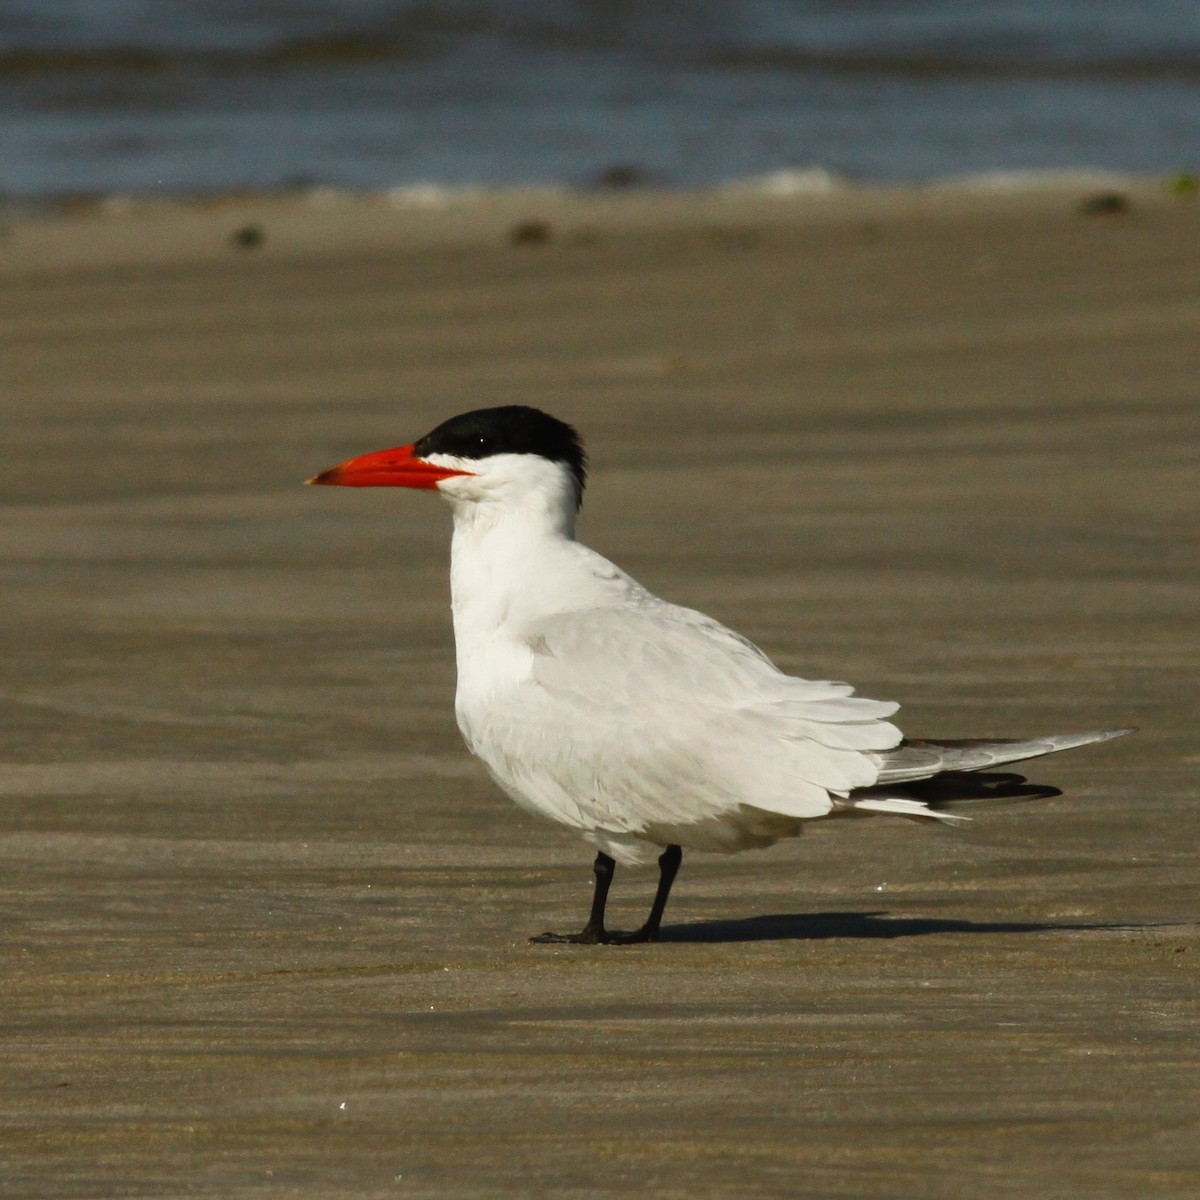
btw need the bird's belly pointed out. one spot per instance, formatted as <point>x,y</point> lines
<point>514,745</point>
<point>623,786</point>
<point>535,757</point>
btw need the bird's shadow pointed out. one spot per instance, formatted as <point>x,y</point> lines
<point>821,926</point>
<point>943,791</point>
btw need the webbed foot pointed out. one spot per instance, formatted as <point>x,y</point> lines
<point>585,937</point>
<point>597,937</point>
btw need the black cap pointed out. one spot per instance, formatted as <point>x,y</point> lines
<point>511,429</point>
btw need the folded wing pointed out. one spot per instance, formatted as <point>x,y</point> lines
<point>674,723</point>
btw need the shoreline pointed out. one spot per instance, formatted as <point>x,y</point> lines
<point>127,230</point>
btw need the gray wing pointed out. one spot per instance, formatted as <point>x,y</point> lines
<point>658,718</point>
<point>914,759</point>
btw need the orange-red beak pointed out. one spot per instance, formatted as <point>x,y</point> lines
<point>397,467</point>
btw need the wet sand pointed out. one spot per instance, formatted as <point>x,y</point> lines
<point>265,922</point>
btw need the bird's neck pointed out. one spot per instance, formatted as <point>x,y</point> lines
<point>506,566</point>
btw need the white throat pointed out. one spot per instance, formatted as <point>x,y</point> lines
<point>512,557</point>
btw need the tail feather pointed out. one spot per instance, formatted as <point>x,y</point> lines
<point>900,806</point>
<point>930,797</point>
<point>914,759</point>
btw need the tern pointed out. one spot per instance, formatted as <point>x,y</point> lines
<point>645,727</point>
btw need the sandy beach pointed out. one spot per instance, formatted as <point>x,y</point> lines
<point>265,922</point>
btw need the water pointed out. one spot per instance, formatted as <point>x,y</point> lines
<point>166,95</point>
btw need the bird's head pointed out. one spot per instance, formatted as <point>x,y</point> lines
<point>501,454</point>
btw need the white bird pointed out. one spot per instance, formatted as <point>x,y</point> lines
<point>644,726</point>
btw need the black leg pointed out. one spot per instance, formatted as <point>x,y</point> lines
<point>594,933</point>
<point>668,867</point>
